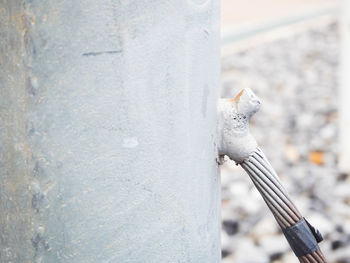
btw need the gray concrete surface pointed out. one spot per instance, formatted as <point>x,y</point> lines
<point>107,131</point>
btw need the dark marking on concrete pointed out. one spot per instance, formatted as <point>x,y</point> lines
<point>31,90</point>
<point>206,33</point>
<point>30,128</point>
<point>36,169</point>
<point>39,242</point>
<point>37,201</point>
<point>35,241</point>
<point>101,53</point>
<point>29,44</point>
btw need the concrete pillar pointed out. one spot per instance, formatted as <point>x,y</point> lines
<point>344,93</point>
<point>107,131</point>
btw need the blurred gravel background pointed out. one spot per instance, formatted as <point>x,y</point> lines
<point>296,79</point>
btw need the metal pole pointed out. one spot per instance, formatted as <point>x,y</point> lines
<point>107,131</point>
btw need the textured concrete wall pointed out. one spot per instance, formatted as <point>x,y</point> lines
<point>107,131</point>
